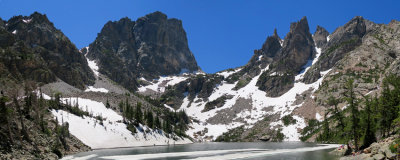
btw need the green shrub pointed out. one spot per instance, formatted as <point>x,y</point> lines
<point>288,119</point>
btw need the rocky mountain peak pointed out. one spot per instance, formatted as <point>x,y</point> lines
<point>275,33</point>
<point>154,17</point>
<point>54,54</point>
<point>343,40</point>
<point>320,36</point>
<point>271,45</point>
<point>149,47</point>
<point>297,50</point>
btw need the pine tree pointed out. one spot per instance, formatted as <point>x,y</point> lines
<point>326,132</point>
<point>150,120</point>
<point>108,104</point>
<point>121,106</point>
<point>332,101</point>
<point>5,116</point>
<point>157,123</point>
<point>138,113</point>
<point>351,100</point>
<point>369,133</point>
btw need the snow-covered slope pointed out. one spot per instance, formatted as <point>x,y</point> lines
<point>247,106</point>
<point>111,132</point>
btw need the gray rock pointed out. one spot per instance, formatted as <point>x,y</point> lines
<point>379,156</point>
<point>320,36</point>
<point>298,49</point>
<point>386,151</point>
<point>265,138</point>
<point>149,47</point>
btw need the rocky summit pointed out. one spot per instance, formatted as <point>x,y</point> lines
<point>34,39</point>
<point>297,50</point>
<point>149,47</point>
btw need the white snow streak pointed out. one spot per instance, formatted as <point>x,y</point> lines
<point>229,72</point>
<point>92,64</point>
<point>161,83</point>
<point>92,89</point>
<point>27,20</point>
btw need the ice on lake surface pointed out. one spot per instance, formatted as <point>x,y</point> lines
<point>220,151</point>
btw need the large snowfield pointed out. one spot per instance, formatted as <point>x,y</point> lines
<point>112,133</point>
<point>284,105</point>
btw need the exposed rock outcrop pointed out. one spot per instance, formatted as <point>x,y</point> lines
<point>33,49</point>
<point>342,41</point>
<point>320,36</point>
<point>149,47</point>
<point>298,49</point>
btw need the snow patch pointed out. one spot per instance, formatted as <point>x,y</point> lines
<point>14,32</point>
<point>92,64</point>
<point>318,117</point>
<point>169,107</point>
<point>309,64</point>
<point>27,20</point>
<point>161,83</point>
<point>229,72</point>
<point>328,38</point>
<point>260,57</point>
<point>92,89</point>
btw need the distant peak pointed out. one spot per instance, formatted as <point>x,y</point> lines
<point>157,14</point>
<point>275,32</point>
<point>320,30</point>
<point>301,25</point>
<point>304,19</point>
<point>39,17</point>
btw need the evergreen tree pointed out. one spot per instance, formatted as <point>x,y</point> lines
<point>157,123</point>
<point>354,119</point>
<point>337,115</point>
<point>139,113</point>
<point>121,106</point>
<point>5,116</point>
<point>108,104</point>
<point>326,132</point>
<point>149,119</point>
<point>369,133</point>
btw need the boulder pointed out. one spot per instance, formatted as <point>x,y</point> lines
<point>265,138</point>
<point>379,156</point>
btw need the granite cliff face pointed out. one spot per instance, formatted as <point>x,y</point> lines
<point>149,47</point>
<point>32,48</point>
<point>297,50</point>
<point>342,41</point>
<point>320,36</point>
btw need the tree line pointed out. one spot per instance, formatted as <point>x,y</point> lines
<point>26,115</point>
<point>364,119</point>
<point>158,118</point>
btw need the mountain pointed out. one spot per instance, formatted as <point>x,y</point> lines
<point>285,84</point>
<point>297,50</point>
<point>149,47</point>
<point>34,49</point>
<point>139,84</point>
<point>55,102</point>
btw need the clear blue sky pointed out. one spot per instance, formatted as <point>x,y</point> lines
<point>222,33</point>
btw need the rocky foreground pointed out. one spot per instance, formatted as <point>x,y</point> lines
<point>377,151</point>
